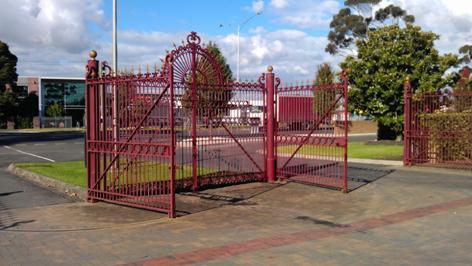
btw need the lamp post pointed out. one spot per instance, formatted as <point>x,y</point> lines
<point>240,26</point>
<point>114,41</point>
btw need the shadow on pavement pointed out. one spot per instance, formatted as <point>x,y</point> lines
<point>361,175</point>
<point>194,202</point>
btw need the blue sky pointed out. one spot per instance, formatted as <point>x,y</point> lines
<point>201,16</point>
<point>52,37</point>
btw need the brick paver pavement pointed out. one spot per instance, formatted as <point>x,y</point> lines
<point>418,216</point>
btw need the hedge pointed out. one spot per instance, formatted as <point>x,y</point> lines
<point>450,134</point>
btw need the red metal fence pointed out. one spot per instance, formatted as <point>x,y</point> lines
<point>188,127</point>
<point>309,149</point>
<point>438,128</point>
<point>130,139</point>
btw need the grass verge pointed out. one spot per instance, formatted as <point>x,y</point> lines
<point>355,149</point>
<point>74,172</point>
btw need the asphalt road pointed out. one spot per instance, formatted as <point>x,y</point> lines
<point>16,192</point>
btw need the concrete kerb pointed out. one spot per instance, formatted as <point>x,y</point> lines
<point>44,181</point>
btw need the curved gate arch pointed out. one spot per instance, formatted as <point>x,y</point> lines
<point>191,59</point>
<point>210,108</point>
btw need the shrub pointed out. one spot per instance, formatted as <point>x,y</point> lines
<point>450,134</point>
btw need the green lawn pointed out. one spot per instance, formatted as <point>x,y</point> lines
<point>74,172</point>
<point>356,149</point>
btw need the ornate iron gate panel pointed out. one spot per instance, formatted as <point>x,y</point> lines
<point>311,137</point>
<point>220,130</point>
<point>130,139</point>
<point>438,128</point>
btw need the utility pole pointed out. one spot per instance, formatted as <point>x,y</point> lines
<point>114,40</point>
<point>240,26</point>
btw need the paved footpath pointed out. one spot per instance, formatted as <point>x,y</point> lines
<point>416,217</point>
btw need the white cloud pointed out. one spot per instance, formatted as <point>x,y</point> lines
<point>258,29</point>
<point>52,37</point>
<point>258,6</point>
<point>305,14</point>
<point>451,19</point>
<point>278,3</point>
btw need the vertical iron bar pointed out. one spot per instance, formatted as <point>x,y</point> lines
<point>407,123</point>
<point>194,119</point>
<point>173,143</point>
<point>346,130</point>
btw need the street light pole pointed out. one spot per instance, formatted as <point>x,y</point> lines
<point>240,26</point>
<point>115,119</point>
<point>237,64</point>
<point>114,40</point>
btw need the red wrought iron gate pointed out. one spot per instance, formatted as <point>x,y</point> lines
<point>188,127</point>
<point>311,137</point>
<point>130,138</point>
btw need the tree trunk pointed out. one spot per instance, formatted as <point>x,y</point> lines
<point>385,132</point>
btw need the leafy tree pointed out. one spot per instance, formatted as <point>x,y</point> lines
<point>356,20</point>
<point>212,101</point>
<point>383,62</point>
<point>463,88</point>
<point>8,77</point>
<point>322,98</point>
<point>7,107</point>
<point>54,110</point>
<point>465,53</point>
<point>8,63</point>
<point>27,109</point>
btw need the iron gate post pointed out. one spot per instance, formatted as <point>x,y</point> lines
<point>345,80</point>
<point>172,137</point>
<point>407,122</point>
<point>92,116</point>
<point>194,119</point>
<point>270,88</point>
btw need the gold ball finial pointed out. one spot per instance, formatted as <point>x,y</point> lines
<point>270,69</point>
<point>407,78</point>
<point>93,54</point>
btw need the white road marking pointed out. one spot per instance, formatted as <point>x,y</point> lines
<point>30,154</point>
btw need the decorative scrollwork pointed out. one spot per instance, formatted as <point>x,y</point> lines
<point>193,38</point>
<point>91,70</point>
<point>277,82</point>
<point>107,71</point>
<point>261,79</point>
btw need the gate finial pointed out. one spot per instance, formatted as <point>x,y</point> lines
<point>92,54</point>
<point>270,69</point>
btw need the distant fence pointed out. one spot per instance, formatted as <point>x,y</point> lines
<point>438,129</point>
<point>56,122</point>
